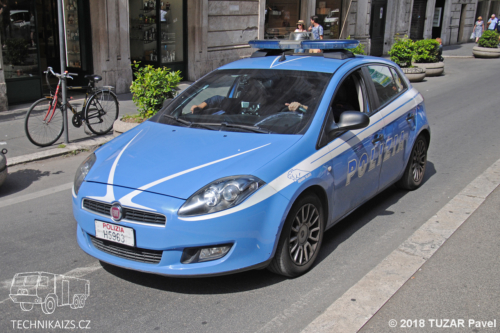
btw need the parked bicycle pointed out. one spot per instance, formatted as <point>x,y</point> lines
<point>44,121</point>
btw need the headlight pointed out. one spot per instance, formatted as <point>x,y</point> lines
<point>82,171</point>
<point>221,194</point>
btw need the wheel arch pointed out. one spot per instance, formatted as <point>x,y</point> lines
<point>314,188</point>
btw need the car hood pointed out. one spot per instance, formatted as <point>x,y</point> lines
<point>178,161</point>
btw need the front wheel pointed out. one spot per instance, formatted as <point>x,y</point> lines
<point>414,173</point>
<point>300,238</point>
<point>44,126</point>
<point>101,112</point>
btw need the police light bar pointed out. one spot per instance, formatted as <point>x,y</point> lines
<point>321,44</point>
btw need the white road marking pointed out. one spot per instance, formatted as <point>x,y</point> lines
<point>35,195</point>
<point>382,282</point>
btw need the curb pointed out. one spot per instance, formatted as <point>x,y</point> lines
<point>383,281</point>
<point>453,56</point>
<point>85,144</point>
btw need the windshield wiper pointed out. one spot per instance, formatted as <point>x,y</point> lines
<point>255,129</point>
<point>188,123</point>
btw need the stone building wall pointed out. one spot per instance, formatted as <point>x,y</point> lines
<point>219,31</point>
<point>3,86</point>
<point>111,43</point>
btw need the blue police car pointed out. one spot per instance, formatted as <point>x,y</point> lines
<point>251,164</point>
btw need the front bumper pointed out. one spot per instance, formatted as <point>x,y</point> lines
<point>252,232</point>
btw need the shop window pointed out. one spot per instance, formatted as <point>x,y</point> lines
<point>156,31</point>
<point>328,12</point>
<point>19,40</point>
<point>281,18</point>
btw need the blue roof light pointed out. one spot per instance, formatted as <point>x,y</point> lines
<point>330,44</point>
<point>334,44</point>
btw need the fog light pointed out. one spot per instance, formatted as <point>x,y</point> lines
<point>213,253</point>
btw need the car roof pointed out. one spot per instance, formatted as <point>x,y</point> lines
<point>310,63</point>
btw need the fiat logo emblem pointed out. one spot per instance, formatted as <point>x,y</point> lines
<point>116,212</point>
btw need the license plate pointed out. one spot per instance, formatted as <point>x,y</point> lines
<point>114,233</point>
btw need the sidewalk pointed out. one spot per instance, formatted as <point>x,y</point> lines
<point>13,138</point>
<point>458,50</point>
<point>458,283</point>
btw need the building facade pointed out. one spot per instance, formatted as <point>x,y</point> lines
<point>197,36</point>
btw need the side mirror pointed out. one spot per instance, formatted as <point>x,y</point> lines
<point>350,120</point>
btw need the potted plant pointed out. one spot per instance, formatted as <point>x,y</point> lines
<point>401,53</point>
<point>426,56</point>
<point>151,87</point>
<point>487,45</point>
<point>360,49</point>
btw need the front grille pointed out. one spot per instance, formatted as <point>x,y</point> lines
<point>126,252</point>
<point>129,214</point>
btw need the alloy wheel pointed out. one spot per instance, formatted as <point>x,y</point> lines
<point>304,234</point>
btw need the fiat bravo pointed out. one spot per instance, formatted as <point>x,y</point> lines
<point>249,166</point>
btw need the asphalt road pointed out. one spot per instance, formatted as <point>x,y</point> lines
<point>39,234</point>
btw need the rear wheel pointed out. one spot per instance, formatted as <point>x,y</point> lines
<point>415,170</point>
<point>43,128</point>
<point>101,112</point>
<point>300,238</point>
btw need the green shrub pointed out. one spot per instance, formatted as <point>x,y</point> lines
<point>426,50</point>
<point>489,39</point>
<point>360,49</point>
<point>401,51</point>
<point>17,51</point>
<point>151,87</point>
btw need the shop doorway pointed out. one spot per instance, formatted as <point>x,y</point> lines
<point>30,43</point>
<point>377,27</point>
<point>418,19</point>
<point>437,20</point>
<point>158,33</point>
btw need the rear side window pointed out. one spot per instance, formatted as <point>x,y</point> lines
<point>385,84</point>
<point>399,83</point>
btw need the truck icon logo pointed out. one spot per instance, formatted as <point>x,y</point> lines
<point>116,212</point>
<point>48,290</point>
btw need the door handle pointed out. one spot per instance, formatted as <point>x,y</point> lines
<point>410,116</point>
<point>377,138</point>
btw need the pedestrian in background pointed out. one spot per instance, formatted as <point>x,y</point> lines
<point>301,26</point>
<point>478,28</point>
<point>316,28</point>
<point>492,22</point>
<point>317,31</point>
<point>440,49</point>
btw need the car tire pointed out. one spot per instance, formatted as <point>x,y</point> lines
<point>300,238</point>
<point>415,169</point>
<point>49,306</point>
<point>26,306</point>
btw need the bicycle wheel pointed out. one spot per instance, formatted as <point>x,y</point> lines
<point>101,112</point>
<point>42,127</point>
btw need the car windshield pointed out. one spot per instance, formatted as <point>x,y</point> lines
<point>261,101</point>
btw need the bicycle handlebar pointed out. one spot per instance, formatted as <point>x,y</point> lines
<point>66,75</point>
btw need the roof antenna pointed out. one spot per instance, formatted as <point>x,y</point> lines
<point>283,58</point>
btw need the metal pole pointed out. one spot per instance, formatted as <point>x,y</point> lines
<point>62,52</point>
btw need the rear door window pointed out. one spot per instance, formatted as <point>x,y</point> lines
<point>384,83</point>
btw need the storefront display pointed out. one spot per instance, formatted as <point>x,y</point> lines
<point>328,12</point>
<point>156,32</point>
<point>281,17</point>
<point>73,54</point>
